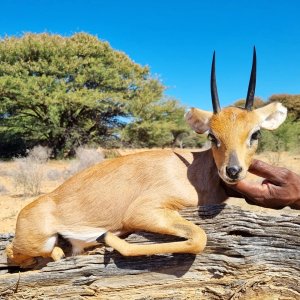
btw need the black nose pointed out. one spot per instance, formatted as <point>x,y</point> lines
<point>233,171</point>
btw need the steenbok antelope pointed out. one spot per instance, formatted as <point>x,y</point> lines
<point>145,191</point>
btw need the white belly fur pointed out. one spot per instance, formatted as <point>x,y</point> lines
<point>82,238</point>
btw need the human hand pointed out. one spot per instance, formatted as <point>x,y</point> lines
<point>280,188</point>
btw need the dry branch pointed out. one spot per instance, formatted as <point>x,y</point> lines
<point>248,256</point>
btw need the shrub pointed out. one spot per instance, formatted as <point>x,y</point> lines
<point>85,157</point>
<point>54,175</point>
<point>111,153</point>
<point>29,171</point>
<point>39,154</point>
<point>285,138</point>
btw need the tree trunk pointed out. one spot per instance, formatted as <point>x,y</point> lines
<point>248,256</point>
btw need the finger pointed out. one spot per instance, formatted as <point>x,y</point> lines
<point>251,189</point>
<point>262,194</point>
<point>231,192</point>
<point>271,173</point>
<point>295,205</point>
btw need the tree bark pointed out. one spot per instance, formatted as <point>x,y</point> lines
<point>248,256</point>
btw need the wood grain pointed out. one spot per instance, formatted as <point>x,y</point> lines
<point>248,256</point>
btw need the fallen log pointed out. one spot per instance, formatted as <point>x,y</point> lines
<point>248,256</point>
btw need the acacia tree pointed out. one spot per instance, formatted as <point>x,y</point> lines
<point>155,124</point>
<point>67,91</point>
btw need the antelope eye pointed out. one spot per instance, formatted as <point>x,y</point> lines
<point>213,139</point>
<point>256,135</point>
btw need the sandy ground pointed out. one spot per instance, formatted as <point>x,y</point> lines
<point>12,200</point>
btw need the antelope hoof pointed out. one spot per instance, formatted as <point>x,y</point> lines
<point>57,254</point>
<point>101,238</point>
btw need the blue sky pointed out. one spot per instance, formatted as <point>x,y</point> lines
<point>177,38</point>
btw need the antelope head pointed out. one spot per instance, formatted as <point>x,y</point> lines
<point>233,131</point>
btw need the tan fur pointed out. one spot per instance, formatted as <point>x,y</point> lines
<point>232,128</point>
<point>139,192</point>
<point>233,136</point>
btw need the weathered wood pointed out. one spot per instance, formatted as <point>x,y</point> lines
<point>248,256</point>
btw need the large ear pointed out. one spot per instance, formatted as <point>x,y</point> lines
<point>272,115</point>
<point>198,119</point>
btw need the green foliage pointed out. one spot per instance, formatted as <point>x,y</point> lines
<point>155,124</point>
<point>64,92</point>
<point>284,138</point>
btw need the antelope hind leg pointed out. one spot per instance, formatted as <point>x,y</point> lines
<point>164,222</point>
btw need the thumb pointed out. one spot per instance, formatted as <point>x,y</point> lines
<point>251,189</point>
<point>264,170</point>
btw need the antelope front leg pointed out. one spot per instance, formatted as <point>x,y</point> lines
<point>163,221</point>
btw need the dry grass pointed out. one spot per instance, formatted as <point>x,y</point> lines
<point>29,171</point>
<point>11,201</point>
<point>85,157</point>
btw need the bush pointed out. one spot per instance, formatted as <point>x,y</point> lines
<point>111,153</point>
<point>39,154</point>
<point>85,157</point>
<point>285,138</point>
<point>54,175</point>
<point>29,171</point>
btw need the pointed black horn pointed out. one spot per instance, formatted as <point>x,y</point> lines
<point>252,83</point>
<point>213,88</point>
